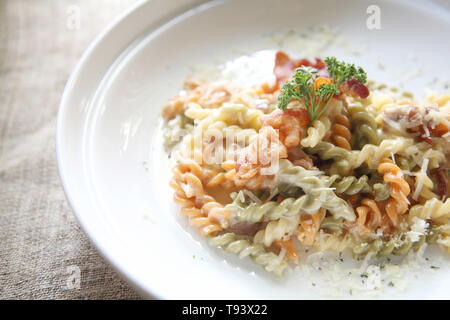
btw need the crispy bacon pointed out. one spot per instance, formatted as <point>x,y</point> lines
<point>285,67</point>
<point>354,88</point>
<point>439,130</point>
<point>441,182</point>
<point>415,117</point>
<point>299,158</point>
<point>417,122</point>
<point>245,228</point>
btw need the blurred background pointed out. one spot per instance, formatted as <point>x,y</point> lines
<point>43,252</point>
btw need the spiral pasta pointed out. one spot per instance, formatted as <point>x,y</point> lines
<point>399,190</point>
<point>417,153</point>
<point>383,248</point>
<point>232,114</point>
<point>343,159</point>
<point>203,211</point>
<point>363,123</point>
<point>272,210</point>
<point>373,154</point>
<point>340,169</point>
<point>333,225</point>
<point>277,230</point>
<point>176,129</point>
<point>316,132</point>
<point>230,243</point>
<point>213,178</point>
<point>330,242</point>
<point>313,183</point>
<point>350,185</point>
<point>381,191</point>
<point>248,171</point>
<point>310,225</point>
<point>369,218</point>
<point>433,209</point>
<point>340,130</point>
<point>381,101</point>
<point>208,95</point>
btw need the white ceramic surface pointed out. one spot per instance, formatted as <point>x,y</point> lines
<point>109,119</point>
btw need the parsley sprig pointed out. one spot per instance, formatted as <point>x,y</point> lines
<point>316,97</point>
<point>301,88</point>
<point>340,71</point>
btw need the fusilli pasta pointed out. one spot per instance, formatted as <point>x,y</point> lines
<point>316,162</point>
<point>350,185</point>
<point>316,132</point>
<point>340,130</point>
<point>399,190</point>
<point>230,243</point>
<point>277,230</point>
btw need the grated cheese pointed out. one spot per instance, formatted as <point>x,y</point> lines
<point>282,253</point>
<point>420,179</point>
<point>418,229</point>
<point>252,196</point>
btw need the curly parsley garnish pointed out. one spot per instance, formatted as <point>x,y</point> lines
<point>314,92</point>
<point>340,71</point>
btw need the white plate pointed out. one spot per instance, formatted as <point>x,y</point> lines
<point>109,117</point>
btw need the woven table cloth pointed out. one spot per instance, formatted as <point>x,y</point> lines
<point>43,252</point>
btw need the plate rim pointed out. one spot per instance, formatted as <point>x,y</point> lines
<point>63,107</point>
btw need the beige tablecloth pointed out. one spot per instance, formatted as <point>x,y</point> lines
<point>43,252</point>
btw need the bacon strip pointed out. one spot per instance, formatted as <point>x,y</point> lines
<point>417,122</point>
<point>354,88</point>
<point>245,228</point>
<point>441,182</point>
<point>285,67</point>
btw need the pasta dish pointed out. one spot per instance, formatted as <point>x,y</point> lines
<point>321,159</point>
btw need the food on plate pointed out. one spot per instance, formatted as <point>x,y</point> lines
<point>319,159</point>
